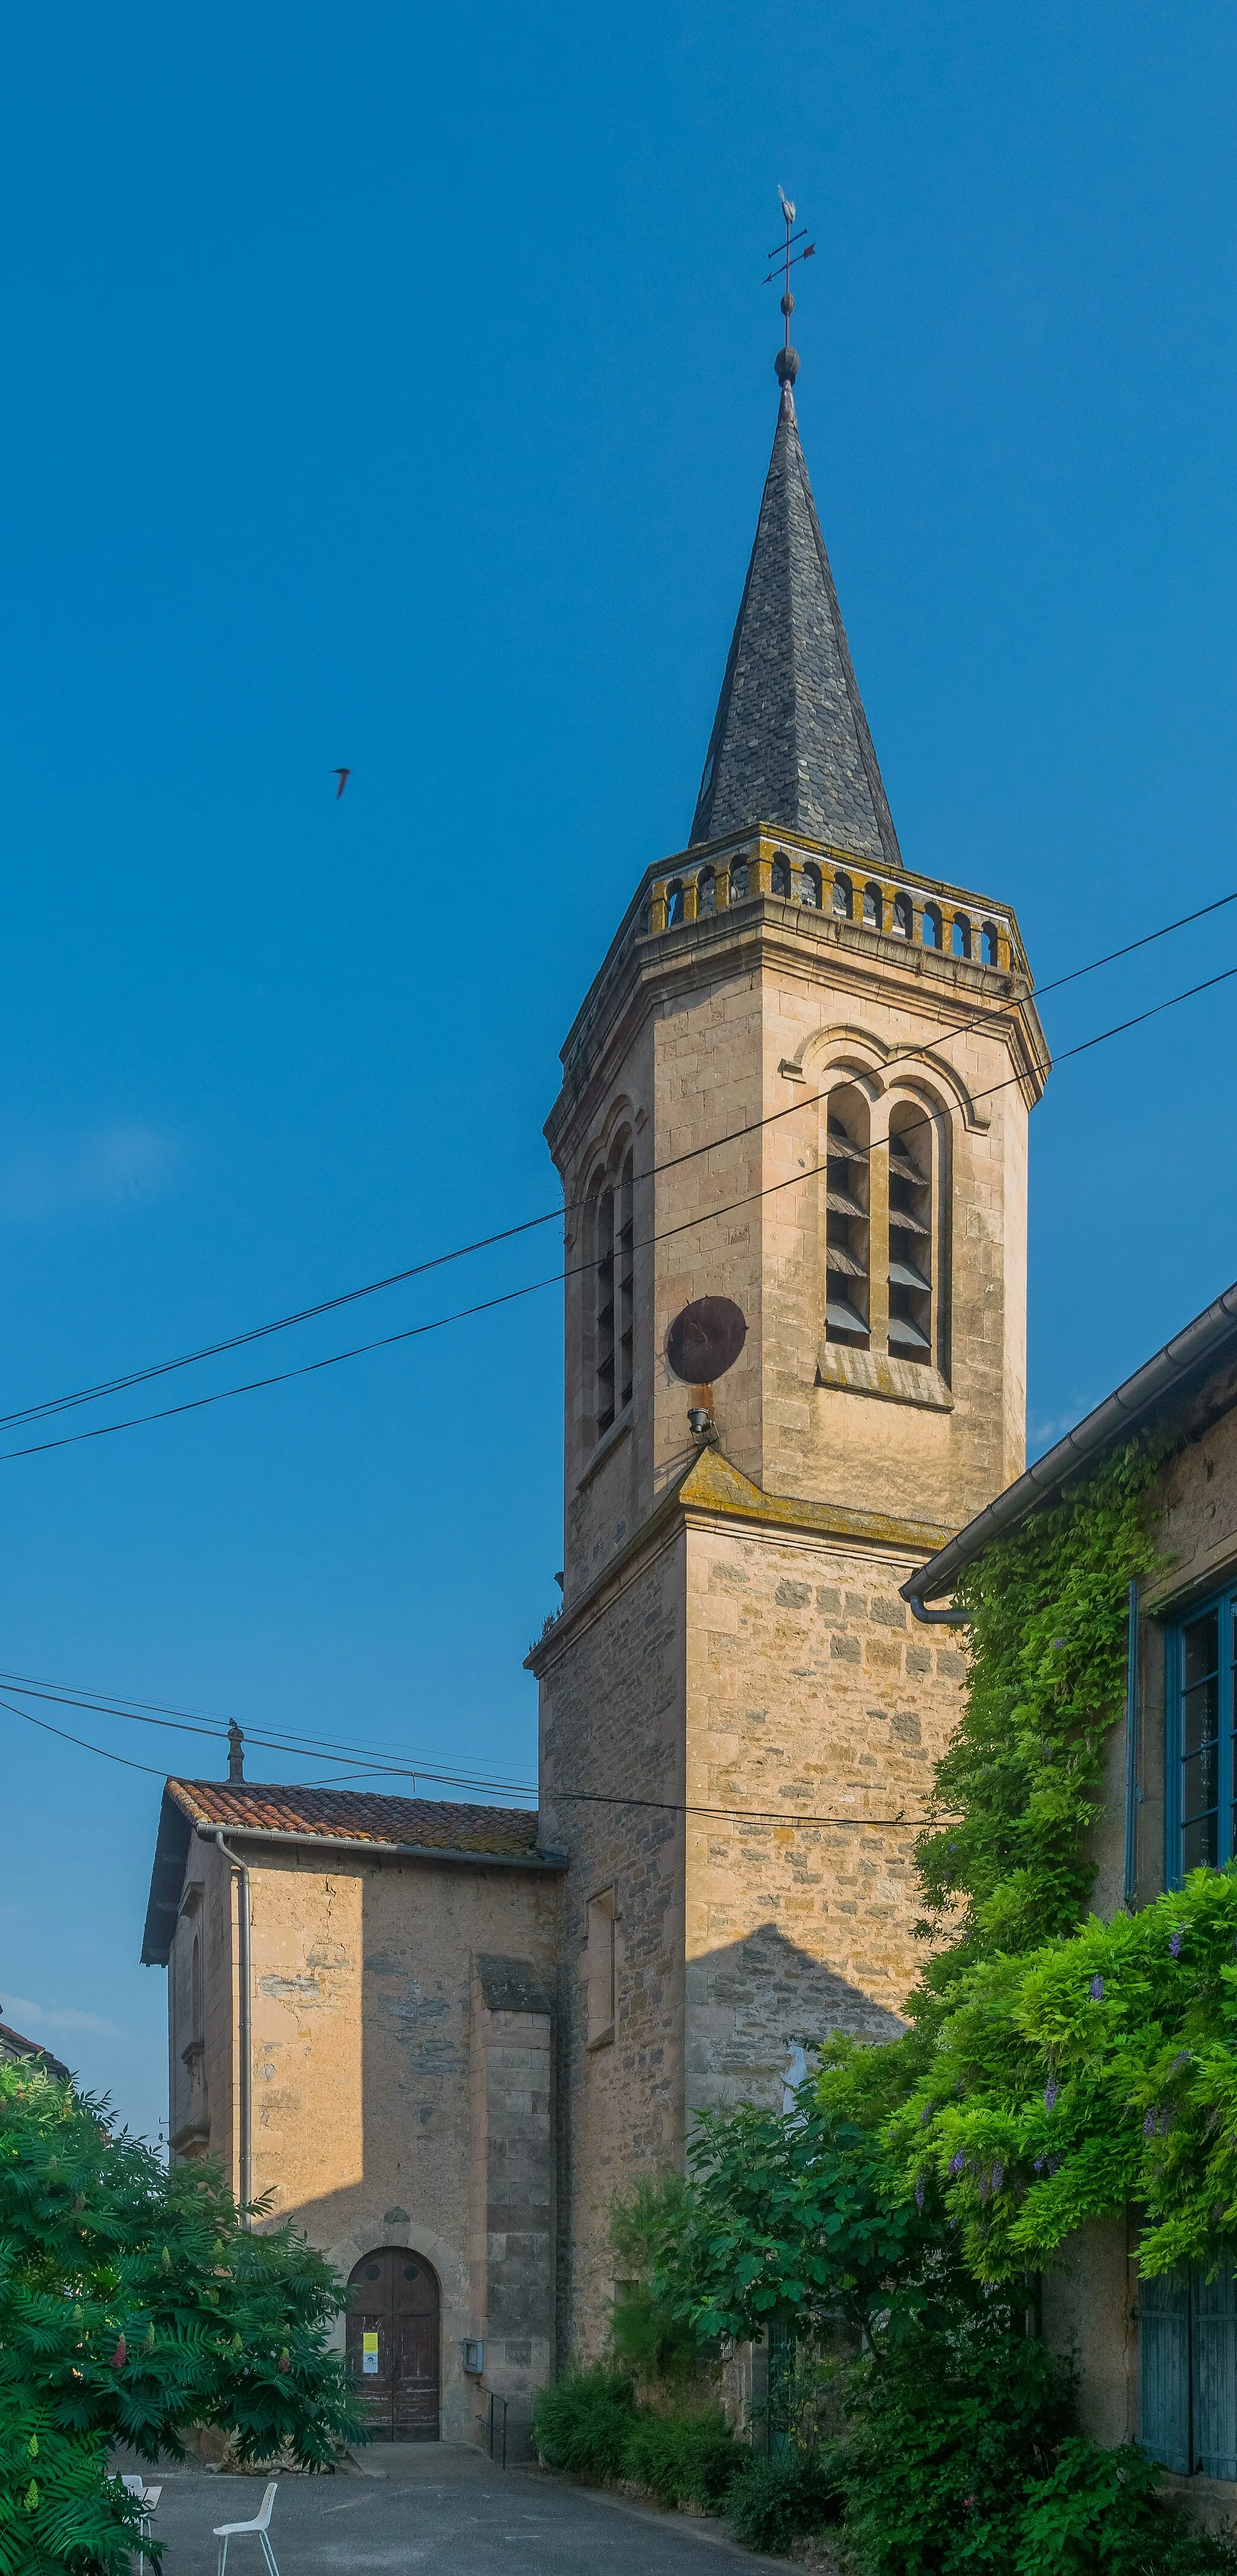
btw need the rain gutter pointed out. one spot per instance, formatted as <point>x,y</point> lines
<point>1121,1413</point>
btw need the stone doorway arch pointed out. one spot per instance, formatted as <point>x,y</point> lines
<point>394,2301</point>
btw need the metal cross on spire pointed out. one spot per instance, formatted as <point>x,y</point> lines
<point>785,256</point>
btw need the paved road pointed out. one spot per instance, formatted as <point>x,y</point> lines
<point>441,2507</point>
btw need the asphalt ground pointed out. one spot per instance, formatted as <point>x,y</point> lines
<point>442,2507</point>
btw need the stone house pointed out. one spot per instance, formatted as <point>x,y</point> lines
<point>1157,2360</point>
<point>792,1136</point>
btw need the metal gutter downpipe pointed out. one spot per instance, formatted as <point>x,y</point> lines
<point>245,2034</point>
<point>933,1618</point>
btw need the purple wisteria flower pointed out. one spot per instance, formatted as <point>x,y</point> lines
<point>1174,1947</point>
<point>1182,2058</point>
<point>998,2176</point>
<point>1050,2093</point>
<point>1039,2164</point>
<point>1096,1990</point>
<point>926,2115</point>
<point>957,2163</point>
<point>919,2195</point>
<point>1149,2125</point>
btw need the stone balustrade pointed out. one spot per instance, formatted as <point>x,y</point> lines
<point>839,887</point>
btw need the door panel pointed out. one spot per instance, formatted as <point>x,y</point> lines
<point>394,2302</point>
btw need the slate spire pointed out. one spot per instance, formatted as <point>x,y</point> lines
<point>790,741</point>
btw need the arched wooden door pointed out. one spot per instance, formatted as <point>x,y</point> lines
<point>393,2343</point>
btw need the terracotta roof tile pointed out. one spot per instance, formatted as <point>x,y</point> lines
<point>364,1815</point>
<point>13,2045</point>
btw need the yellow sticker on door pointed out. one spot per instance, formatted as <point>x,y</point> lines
<point>369,2355</point>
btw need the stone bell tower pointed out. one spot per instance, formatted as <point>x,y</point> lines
<point>792,1134</point>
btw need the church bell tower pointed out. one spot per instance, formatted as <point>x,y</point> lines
<point>792,1136</point>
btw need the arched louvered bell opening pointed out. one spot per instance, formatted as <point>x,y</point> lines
<point>910,1236</point>
<point>847,1220</point>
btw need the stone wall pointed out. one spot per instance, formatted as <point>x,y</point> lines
<point>373,2062</point>
<point>611,1728</point>
<point>809,1692</point>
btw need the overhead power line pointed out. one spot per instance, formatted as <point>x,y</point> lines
<point>554,1279</point>
<point>575,1797</point>
<point>508,1234</point>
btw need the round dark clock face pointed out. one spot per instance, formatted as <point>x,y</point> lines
<point>706,1339</point>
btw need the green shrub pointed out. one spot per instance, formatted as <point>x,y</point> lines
<point>1100,2513</point>
<point>683,2455</point>
<point>583,2424</point>
<point>657,2347</point>
<point>947,2430</point>
<point>776,2500</point>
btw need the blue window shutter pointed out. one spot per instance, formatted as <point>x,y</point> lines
<point>1214,2359</point>
<point>1164,2370</point>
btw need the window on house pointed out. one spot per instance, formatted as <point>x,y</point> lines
<point>931,925</point>
<point>738,880</point>
<point>961,935</point>
<point>599,1967</point>
<point>910,1234</point>
<point>872,907</point>
<point>988,949</point>
<point>779,882</point>
<point>706,891</point>
<point>843,896</point>
<point>1187,2371</point>
<point>903,916</point>
<point>1201,1672</point>
<point>847,1228</point>
<point>674,904</point>
<point>809,887</point>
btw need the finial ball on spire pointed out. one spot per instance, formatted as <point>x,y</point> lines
<point>786,365</point>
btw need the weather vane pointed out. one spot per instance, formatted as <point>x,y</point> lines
<point>784,256</point>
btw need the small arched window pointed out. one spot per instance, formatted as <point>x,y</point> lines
<point>809,887</point>
<point>872,907</point>
<point>988,948</point>
<point>674,903</point>
<point>903,916</point>
<point>195,1990</point>
<point>847,1220</point>
<point>913,1263</point>
<point>706,891</point>
<point>931,925</point>
<point>738,880</point>
<point>779,881</point>
<point>613,1260</point>
<point>843,896</point>
<point>962,935</point>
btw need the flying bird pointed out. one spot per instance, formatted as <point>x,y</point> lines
<point>343,775</point>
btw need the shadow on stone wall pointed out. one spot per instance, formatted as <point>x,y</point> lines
<point>747,2002</point>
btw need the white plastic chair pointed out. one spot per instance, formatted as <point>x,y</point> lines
<point>148,2498</point>
<point>226,2531</point>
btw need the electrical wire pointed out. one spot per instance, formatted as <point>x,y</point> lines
<point>184,1722</point>
<point>512,1296</point>
<point>397,1278</point>
<point>581,1797</point>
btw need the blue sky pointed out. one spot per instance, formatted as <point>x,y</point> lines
<point>393,387</point>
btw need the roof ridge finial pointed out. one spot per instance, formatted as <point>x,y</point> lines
<point>786,363</point>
